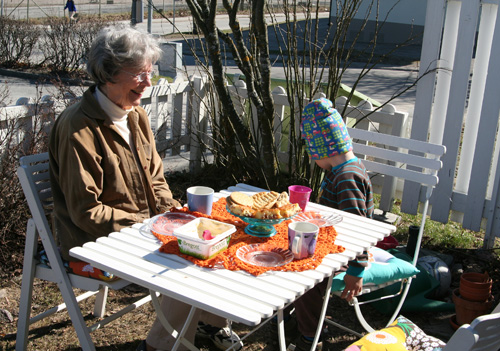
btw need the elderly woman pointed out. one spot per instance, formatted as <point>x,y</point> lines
<point>105,171</point>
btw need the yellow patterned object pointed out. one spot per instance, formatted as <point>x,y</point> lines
<point>401,335</point>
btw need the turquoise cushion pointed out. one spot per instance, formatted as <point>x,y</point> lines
<point>383,267</point>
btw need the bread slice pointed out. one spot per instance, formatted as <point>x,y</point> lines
<point>268,213</point>
<point>289,210</point>
<point>265,199</point>
<point>240,210</point>
<point>282,200</point>
<point>241,199</point>
<point>263,205</point>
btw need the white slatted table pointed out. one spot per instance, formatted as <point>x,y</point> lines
<point>235,295</point>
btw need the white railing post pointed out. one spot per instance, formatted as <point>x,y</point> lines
<point>282,140</point>
<point>429,61</point>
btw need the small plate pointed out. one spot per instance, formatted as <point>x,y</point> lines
<point>166,223</point>
<point>264,256</point>
<point>319,218</point>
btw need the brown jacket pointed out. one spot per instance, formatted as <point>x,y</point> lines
<point>98,185</point>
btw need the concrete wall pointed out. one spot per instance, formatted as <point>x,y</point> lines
<point>403,19</point>
<point>171,61</point>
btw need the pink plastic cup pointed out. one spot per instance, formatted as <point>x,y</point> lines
<point>299,194</point>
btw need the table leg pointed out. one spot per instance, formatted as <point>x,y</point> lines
<point>281,331</point>
<point>168,327</point>
<point>323,313</point>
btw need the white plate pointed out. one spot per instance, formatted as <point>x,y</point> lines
<point>321,219</point>
<point>264,256</point>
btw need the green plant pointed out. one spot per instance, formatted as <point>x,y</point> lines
<point>438,235</point>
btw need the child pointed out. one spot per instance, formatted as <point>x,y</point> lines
<point>346,187</point>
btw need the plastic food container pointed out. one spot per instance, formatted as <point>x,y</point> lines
<point>191,242</point>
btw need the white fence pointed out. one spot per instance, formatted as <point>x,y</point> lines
<point>457,105</point>
<point>175,110</point>
<point>178,118</point>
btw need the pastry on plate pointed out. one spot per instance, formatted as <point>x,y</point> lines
<point>263,205</point>
<point>265,199</point>
<point>241,199</point>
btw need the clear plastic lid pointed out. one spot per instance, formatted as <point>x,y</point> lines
<point>166,223</point>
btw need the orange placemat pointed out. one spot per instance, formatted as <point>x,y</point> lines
<point>227,259</point>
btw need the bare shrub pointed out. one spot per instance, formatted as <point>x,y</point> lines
<point>64,45</point>
<point>4,95</point>
<point>23,132</point>
<point>17,41</point>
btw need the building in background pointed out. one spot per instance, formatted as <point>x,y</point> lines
<point>403,19</point>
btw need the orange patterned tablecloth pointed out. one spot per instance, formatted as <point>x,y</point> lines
<point>227,259</point>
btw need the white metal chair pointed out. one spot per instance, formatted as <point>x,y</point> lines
<point>407,159</point>
<point>33,174</point>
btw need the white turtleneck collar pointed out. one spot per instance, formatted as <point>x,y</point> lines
<point>118,116</point>
<point>114,111</point>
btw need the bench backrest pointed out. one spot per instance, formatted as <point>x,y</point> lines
<point>34,177</point>
<point>399,157</point>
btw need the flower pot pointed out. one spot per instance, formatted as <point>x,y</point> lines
<point>475,286</point>
<point>412,239</point>
<point>453,322</point>
<point>472,294</point>
<point>467,311</point>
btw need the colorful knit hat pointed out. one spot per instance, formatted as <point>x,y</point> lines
<point>323,130</point>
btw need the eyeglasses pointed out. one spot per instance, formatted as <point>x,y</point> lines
<point>141,77</point>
